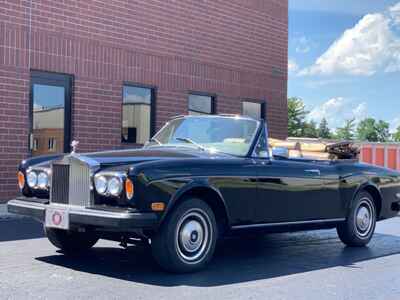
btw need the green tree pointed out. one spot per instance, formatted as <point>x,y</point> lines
<point>371,130</point>
<point>366,130</point>
<point>382,129</point>
<point>309,130</point>
<point>347,131</point>
<point>396,135</point>
<point>323,130</point>
<point>296,116</point>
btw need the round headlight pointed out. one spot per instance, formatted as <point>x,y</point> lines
<point>115,186</point>
<point>100,183</point>
<point>43,180</point>
<point>31,179</point>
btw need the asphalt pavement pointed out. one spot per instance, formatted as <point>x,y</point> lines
<point>306,265</point>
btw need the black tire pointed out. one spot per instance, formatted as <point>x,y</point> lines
<point>186,240</point>
<point>360,223</point>
<point>71,242</point>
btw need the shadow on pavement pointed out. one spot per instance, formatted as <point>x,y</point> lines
<point>236,260</point>
<point>12,229</point>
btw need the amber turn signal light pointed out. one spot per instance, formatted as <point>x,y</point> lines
<point>158,206</point>
<point>129,189</point>
<point>21,180</point>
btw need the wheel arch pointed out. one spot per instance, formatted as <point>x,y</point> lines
<point>209,194</point>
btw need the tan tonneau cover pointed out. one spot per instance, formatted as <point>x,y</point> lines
<point>316,148</point>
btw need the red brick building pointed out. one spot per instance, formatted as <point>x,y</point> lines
<point>110,73</point>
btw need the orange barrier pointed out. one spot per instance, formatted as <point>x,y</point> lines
<point>381,154</point>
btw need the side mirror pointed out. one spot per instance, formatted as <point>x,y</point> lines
<point>280,152</point>
<point>263,154</point>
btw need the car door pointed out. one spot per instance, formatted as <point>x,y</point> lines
<point>289,191</point>
<point>293,190</point>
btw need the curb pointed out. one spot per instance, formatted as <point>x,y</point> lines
<point>5,215</point>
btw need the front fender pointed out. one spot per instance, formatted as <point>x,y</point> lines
<point>376,192</point>
<point>199,186</point>
<point>367,185</point>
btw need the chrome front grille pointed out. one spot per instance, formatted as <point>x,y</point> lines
<point>71,184</point>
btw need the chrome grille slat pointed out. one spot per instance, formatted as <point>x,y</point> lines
<point>70,183</point>
<point>79,184</point>
<point>59,184</point>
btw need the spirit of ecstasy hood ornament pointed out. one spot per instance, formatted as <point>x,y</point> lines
<point>74,146</point>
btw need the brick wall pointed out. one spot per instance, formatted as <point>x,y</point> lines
<point>232,48</point>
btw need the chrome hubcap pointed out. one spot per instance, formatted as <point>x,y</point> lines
<point>193,235</point>
<point>364,218</point>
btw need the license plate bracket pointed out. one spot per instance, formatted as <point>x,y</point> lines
<point>57,218</point>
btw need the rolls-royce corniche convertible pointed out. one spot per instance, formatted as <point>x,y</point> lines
<point>198,179</point>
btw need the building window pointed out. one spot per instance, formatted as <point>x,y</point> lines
<point>201,104</point>
<point>51,146</point>
<point>137,112</point>
<point>253,109</point>
<point>35,145</point>
<point>50,112</point>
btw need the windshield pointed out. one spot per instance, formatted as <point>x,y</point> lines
<point>219,134</point>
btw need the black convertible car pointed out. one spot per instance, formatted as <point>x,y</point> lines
<point>198,179</point>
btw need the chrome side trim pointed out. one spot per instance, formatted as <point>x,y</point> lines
<point>187,177</point>
<point>288,223</point>
<point>313,171</point>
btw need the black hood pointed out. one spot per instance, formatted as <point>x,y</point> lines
<point>131,156</point>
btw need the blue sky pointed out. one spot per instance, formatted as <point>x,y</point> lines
<point>344,59</point>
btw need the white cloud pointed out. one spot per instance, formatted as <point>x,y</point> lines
<point>303,45</point>
<point>395,13</point>
<point>337,110</point>
<point>360,111</point>
<point>371,45</point>
<point>394,124</point>
<point>292,66</point>
<point>321,82</point>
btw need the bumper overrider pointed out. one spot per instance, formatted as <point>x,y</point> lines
<point>107,218</point>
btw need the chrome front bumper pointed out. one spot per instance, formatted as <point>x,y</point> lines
<point>118,220</point>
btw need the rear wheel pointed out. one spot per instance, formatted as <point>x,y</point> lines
<point>71,242</point>
<point>360,223</point>
<point>186,240</point>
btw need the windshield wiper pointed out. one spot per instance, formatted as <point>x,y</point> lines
<point>190,141</point>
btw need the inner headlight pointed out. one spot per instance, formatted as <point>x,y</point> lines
<point>43,180</point>
<point>109,183</point>
<point>100,183</point>
<point>115,186</point>
<point>32,179</point>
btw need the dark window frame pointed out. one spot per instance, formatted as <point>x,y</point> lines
<point>206,94</point>
<point>263,103</point>
<point>51,144</point>
<point>153,93</point>
<point>53,79</point>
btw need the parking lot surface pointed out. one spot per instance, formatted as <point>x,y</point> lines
<point>305,265</point>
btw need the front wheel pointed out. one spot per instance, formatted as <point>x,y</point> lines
<point>360,223</point>
<point>186,240</point>
<point>71,242</point>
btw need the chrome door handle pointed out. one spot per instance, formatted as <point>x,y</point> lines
<point>313,171</point>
